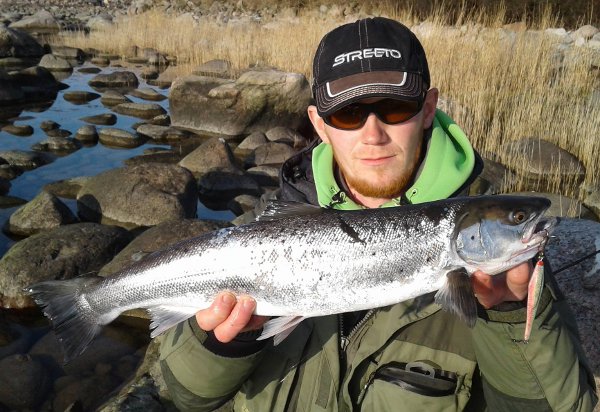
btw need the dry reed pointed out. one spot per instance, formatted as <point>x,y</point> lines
<point>510,85</point>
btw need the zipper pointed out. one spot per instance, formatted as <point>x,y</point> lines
<point>345,340</point>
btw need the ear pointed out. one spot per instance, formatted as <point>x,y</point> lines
<point>429,107</point>
<point>318,123</point>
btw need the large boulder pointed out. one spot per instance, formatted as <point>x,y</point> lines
<point>42,22</point>
<point>44,212</point>
<point>257,101</point>
<point>55,63</point>
<point>16,43</point>
<point>61,253</point>
<point>213,154</point>
<point>9,92</point>
<point>141,195</point>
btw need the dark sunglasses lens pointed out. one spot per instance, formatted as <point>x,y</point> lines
<point>397,111</point>
<point>347,118</point>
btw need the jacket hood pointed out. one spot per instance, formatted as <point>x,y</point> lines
<point>448,164</point>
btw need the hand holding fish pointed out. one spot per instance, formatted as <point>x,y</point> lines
<point>506,287</point>
<point>227,316</point>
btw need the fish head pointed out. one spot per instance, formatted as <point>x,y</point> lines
<point>495,233</point>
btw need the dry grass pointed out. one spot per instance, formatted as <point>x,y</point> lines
<point>510,86</point>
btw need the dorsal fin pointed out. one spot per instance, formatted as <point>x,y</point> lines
<point>277,209</point>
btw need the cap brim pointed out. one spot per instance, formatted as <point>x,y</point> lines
<point>330,96</point>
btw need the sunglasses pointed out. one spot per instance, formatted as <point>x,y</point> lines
<point>389,111</point>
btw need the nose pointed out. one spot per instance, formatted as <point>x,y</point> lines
<point>373,131</point>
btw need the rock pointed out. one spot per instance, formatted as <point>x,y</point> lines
<point>147,93</point>
<point>256,101</point>
<point>282,134</point>
<point>161,120</point>
<point>58,133</point>
<point>143,195</point>
<point>215,153</point>
<point>141,110</point>
<point>55,64</point>
<point>37,83</point>
<point>265,175</point>
<point>87,134</point>
<point>167,156</point>
<point>149,73</point>
<point>44,212</point>
<point>18,130</point>
<point>9,92</point>
<point>253,141</point>
<point>57,144</point>
<point>100,61</point>
<point>115,79</point>
<point>217,186</point>
<point>214,68</point>
<point>591,198</point>
<point>101,22</point>
<point>104,119</point>
<point>159,237</point>
<point>67,188</point>
<point>48,125</point>
<point>24,160</point>
<point>573,239</point>
<point>91,70</point>
<point>80,97</point>
<point>166,78</point>
<point>147,390</point>
<point>60,253</point>
<point>538,162</point>
<point>242,204</point>
<point>15,339</point>
<point>113,97</point>
<point>42,22</point>
<point>271,153</point>
<point>69,53</point>
<point>25,382</point>
<point>585,32</point>
<point>111,136</point>
<point>17,43</point>
<point>152,131</point>
<point>158,60</point>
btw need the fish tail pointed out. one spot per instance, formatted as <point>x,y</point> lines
<point>75,322</point>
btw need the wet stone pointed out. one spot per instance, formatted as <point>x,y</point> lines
<point>80,97</point>
<point>58,133</point>
<point>105,119</point>
<point>47,125</point>
<point>56,144</point>
<point>149,73</point>
<point>87,134</point>
<point>100,61</point>
<point>148,93</point>
<point>120,138</point>
<point>112,98</point>
<point>161,120</point>
<point>25,382</point>
<point>18,130</point>
<point>90,70</point>
<point>142,110</point>
<point>25,160</point>
<point>115,79</point>
<point>8,171</point>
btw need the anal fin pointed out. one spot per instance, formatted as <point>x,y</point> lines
<point>280,328</point>
<point>456,296</point>
<point>164,317</point>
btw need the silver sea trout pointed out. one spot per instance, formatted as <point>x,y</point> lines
<point>302,261</point>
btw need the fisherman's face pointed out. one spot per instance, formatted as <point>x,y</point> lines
<point>378,160</point>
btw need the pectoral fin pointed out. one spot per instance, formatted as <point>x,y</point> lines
<point>457,296</point>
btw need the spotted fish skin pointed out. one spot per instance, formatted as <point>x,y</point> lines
<point>301,261</point>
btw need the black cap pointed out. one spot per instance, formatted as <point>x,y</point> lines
<point>375,57</point>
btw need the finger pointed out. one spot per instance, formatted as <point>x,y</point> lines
<point>218,312</point>
<point>237,320</point>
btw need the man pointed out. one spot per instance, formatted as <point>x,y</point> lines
<point>382,143</point>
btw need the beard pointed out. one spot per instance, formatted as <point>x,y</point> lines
<point>391,188</point>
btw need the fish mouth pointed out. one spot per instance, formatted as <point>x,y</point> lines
<point>536,234</point>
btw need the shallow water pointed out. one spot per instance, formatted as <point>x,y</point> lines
<point>87,161</point>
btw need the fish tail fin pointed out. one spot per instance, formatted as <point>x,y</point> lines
<point>74,321</point>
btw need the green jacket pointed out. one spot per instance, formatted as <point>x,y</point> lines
<point>409,356</point>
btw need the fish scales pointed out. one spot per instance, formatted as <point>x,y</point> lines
<point>290,266</point>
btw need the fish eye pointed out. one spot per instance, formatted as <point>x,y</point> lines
<point>519,216</point>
